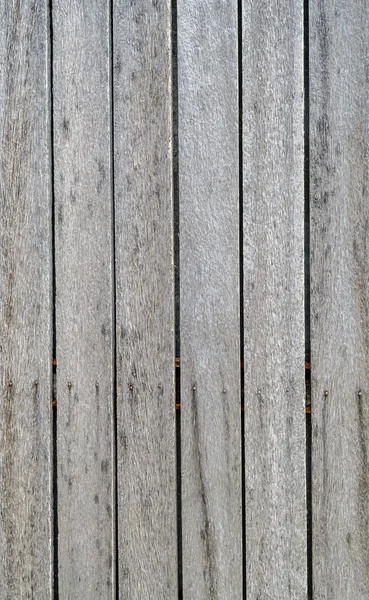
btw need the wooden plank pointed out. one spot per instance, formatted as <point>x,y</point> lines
<point>83,209</point>
<point>145,300</point>
<point>273,191</point>
<point>25,302</point>
<point>339,126</point>
<point>209,314</point>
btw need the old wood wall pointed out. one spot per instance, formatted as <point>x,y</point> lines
<point>184,271</point>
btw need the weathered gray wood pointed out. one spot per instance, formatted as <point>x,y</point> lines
<point>25,302</point>
<point>339,125</point>
<point>144,281</point>
<point>274,299</point>
<point>210,321</point>
<point>83,209</point>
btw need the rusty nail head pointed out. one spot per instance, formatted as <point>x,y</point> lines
<point>326,393</point>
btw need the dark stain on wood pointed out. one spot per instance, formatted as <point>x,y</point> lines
<point>363,481</point>
<point>205,533</point>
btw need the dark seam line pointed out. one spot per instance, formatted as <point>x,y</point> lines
<point>114,310</point>
<point>309,530</point>
<point>241,276</point>
<point>54,362</point>
<point>175,190</point>
<point>179,490</point>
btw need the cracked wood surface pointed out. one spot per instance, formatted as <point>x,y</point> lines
<point>339,131</point>
<point>209,300</point>
<point>25,302</point>
<point>146,444</point>
<point>84,298</point>
<point>273,192</point>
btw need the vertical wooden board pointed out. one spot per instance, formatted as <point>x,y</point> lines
<point>209,313</point>
<point>145,300</point>
<point>339,109</point>
<point>84,328</point>
<point>25,302</point>
<point>273,142</point>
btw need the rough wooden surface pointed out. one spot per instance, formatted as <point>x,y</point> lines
<point>138,89</point>
<point>145,300</point>
<point>25,302</point>
<point>83,209</point>
<point>274,299</point>
<point>339,104</point>
<point>210,325</point>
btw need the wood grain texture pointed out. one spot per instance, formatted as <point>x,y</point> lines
<point>339,126</point>
<point>83,221</point>
<point>145,300</point>
<point>25,302</point>
<point>274,299</point>
<point>209,314</point>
